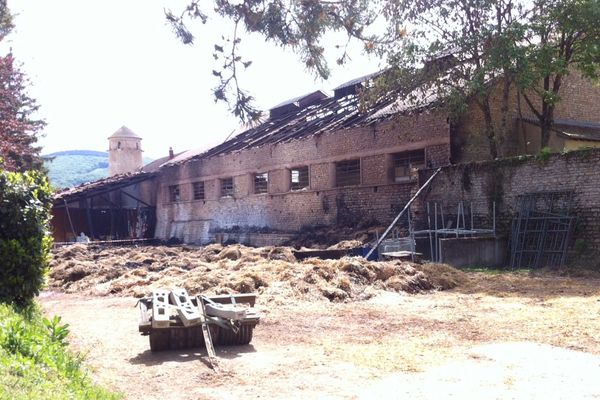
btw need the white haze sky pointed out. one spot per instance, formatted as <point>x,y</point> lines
<point>97,65</point>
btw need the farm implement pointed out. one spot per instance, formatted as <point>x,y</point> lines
<point>175,320</point>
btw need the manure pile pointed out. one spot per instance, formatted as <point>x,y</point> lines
<point>273,272</point>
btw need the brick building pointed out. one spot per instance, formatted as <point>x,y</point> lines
<point>576,123</point>
<point>320,160</point>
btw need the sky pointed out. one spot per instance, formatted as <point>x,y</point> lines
<point>97,65</point>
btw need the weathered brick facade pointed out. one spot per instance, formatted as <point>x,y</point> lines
<point>502,181</point>
<point>374,195</point>
<point>579,102</point>
<point>322,203</point>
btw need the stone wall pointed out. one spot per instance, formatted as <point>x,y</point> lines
<point>322,202</point>
<point>484,183</point>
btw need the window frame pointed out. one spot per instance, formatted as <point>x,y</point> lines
<point>195,191</point>
<point>407,160</point>
<point>344,166</point>
<point>295,186</point>
<point>174,193</point>
<point>261,183</point>
<point>230,190</point>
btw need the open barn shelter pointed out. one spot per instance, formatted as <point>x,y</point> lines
<point>120,207</point>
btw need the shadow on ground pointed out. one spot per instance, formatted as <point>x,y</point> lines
<point>150,358</point>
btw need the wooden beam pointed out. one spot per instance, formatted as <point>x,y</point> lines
<point>89,216</point>
<point>70,220</point>
<point>135,198</point>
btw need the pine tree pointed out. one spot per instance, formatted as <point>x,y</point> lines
<point>19,129</point>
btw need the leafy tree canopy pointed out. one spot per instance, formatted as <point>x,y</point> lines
<point>454,49</point>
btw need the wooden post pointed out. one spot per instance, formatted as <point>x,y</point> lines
<point>89,217</point>
<point>70,220</point>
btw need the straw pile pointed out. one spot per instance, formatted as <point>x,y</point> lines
<point>273,272</point>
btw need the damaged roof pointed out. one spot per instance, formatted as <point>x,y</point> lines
<point>324,115</point>
<point>572,129</point>
<point>101,186</point>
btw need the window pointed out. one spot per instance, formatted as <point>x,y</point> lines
<point>198,190</point>
<point>403,163</point>
<point>227,187</point>
<point>347,173</point>
<point>174,194</point>
<point>261,183</point>
<point>299,178</point>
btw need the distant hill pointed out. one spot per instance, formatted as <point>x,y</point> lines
<point>74,167</point>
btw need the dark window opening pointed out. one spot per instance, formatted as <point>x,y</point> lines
<point>198,190</point>
<point>227,187</point>
<point>261,183</point>
<point>347,173</point>
<point>404,163</point>
<point>299,178</point>
<point>174,194</point>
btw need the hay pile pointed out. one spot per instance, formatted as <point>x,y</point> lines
<point>273,272</point>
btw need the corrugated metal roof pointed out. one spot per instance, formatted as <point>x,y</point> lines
<point>566,122</point>
<point>100,186</point>
<point>327,115</point>
<point>305,98</point>
<point>588,136</point>
<point>571,128</point>
<point>358,80</point>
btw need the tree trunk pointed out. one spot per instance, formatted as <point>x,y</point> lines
<point>489,128</point>
<point>546,123</point>
<point>502,134</point>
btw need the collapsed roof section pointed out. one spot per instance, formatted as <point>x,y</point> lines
<point>352,87</point>
<point>295,104</point>
<point>101,186</point>
<point>310,115</point>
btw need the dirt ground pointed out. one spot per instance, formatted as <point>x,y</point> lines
<point>493,336</point>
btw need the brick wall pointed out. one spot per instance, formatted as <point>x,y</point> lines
<point>502,181</point>
<point>580,100</point>
<point>377,197</point>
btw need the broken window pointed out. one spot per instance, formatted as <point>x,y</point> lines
<point>198,190</point>
<point>403,163</point>
<point>299,178</point>
<point>174,194</point>
<point>227,187</point>
<point>261,183</point>
<point>347,173</point>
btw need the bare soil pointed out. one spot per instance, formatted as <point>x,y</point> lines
<point>335,329</point>
<point>509,335</point>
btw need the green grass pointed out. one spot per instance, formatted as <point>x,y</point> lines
<point>35,362</point>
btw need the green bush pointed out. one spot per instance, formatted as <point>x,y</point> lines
<point>544,154</point>
<point>34,360</point>
<point>25,203</point>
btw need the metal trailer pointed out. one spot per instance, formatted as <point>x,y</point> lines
<point>173,320</point>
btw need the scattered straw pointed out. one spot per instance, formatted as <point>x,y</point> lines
<point>272,271</point>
